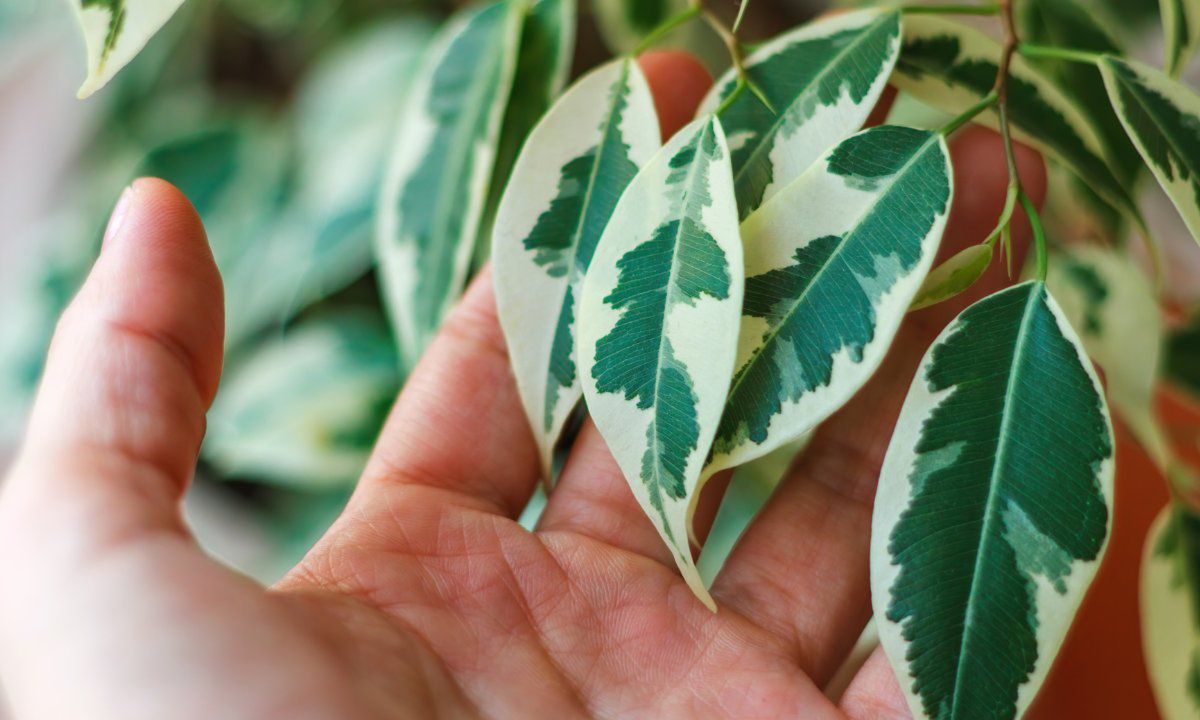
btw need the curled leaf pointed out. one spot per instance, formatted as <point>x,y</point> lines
<point>953,276</point>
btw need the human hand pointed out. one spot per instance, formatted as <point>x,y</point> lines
<point>426,598</point>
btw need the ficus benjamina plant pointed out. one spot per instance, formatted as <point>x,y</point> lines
<point>715,297</point>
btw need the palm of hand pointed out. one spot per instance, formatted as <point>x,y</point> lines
<point>426,599</point>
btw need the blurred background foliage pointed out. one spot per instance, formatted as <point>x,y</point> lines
<point>276,118</point>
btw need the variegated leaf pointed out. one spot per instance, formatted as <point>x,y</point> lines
<point>1162,118</point>
<point>1170,605</point>
<point>832,263</point>
<point>625,23</point>
<point>993,508</point>
<point>543,63</point>
<point>953,276</point>
<point>1113,307</point>
<point>436,193</point>
<point>822,80</point>
<point>564,188</point>
<point>952,66</point>
<point>305,409</point>
<point>115,31</point>
<point>658,313</point>
<point>1068,23</point>
<point>1181,30</point>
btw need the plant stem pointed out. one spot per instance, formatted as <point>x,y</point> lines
<point>738,56</point>
<point>1039,234</point>
<point>988,101</point>
<point>1059,53</point>
<point>988,9</point>
<point>667,26</point>
<point>741,15</point>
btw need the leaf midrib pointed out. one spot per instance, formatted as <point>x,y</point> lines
<point>990,514</point>
<point>773,334</point>
<point>773,129</point>
<point>668,294</point>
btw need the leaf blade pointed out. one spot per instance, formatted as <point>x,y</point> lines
<point>988,530</point>
<point>665,280</point>
<point>588,148</point>
<point>1169,600</point>
<point>1160,115</point>
<point>873,212</point>
<point>823,79</point>
<point>115,31</point>
<point>1181,29</point>
<point>436,192</point>
<point>951,66</point>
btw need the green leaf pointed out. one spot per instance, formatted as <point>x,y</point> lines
<point>436,192</point>
<point>344,128</point>
<point>822,79</point>
<point>1067,23</point>
<point>115,31</point>
<point>1113,307</point>
<point>658,313</point>
<point>1162,118</point>
<point>953,276</point>
<point>952,66</point>
<point>1170,605</point>
<point>624,23</point>
<point>563,191</point>
<point>1181,31</point>
<point>543,63</point>
<point>850,240</point>
<point>235,174</point>
<point>305,409</point>
<point>993,509</point>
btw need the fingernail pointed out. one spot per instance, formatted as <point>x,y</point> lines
<point>118,215</point>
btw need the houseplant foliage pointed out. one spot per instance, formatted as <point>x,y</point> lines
<point>712,297</point>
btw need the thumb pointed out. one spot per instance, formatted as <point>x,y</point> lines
<point>133,366</point>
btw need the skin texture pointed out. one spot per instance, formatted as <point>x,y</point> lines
<point>426,599</point>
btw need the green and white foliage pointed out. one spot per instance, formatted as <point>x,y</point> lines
<point>304,409</point>
<point>115,31</point>
<point>1112,305</point>
<point>832,263</point>
<point>436,193</point>
<point>563,191</point>
<point>822,81</point>
<point>952,66</point>
<point>1181,31</point>
<point>1162,118</point>
<point>662,295</point>
<point>953,276</point>
<point>235,174</point>
<point>1069,23</point>
<point>993,509</point>
<point>543,63</point>
<point>344,127</point>
<point>1170,604</point>
<point>624,23</point>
